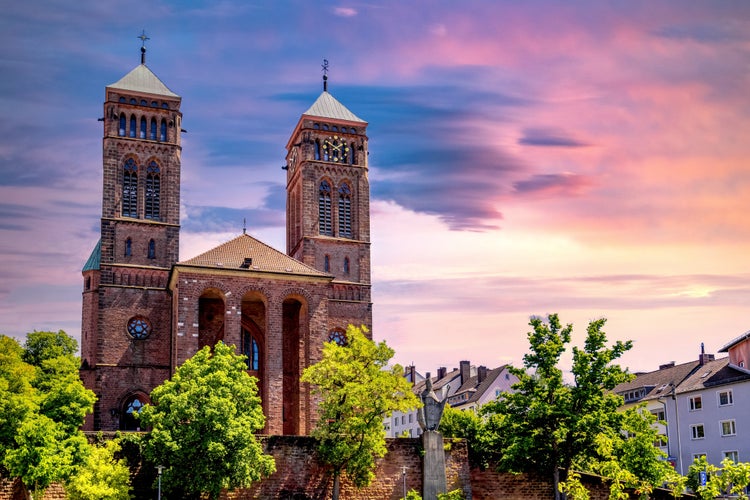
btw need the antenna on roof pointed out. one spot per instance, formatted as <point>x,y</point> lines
<point>325,75</point>
<point>244,225</point>
<point>143,38</point>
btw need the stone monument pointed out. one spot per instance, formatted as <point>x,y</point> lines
<point>433,471</point>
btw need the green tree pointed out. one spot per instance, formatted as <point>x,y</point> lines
<point>203,424</point>
<point>42,405</point>
<point>547,425</point>
<point>101,476</point>
<point>731,478</point>
<point>357,389</point>
<point>40,346</point>
<point>465,425</point>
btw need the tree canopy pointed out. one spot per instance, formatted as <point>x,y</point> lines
<point>546,424</point>
<point>42,406</point>
<point>203,423</point>
<point>357,388</point>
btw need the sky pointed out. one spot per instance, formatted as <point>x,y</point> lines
<point>588,158</point>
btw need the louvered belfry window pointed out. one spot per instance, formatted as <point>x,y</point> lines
<point>324,209</point>
<point>345,211</point>
<point>130,189</point>
<point>153,185</point>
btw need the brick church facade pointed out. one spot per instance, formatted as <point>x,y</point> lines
<point>145,312</point>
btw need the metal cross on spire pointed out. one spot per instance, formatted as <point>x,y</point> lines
<point>325,75</point>
<point>143,38</point>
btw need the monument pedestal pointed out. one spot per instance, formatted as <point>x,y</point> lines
<point>433,472</point>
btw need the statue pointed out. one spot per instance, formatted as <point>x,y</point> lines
<point>432,408</point>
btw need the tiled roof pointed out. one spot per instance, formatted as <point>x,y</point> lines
<point>485,384</point>
<point>326,106</point>
<point>437,384</point>
<point>660,382</point>
<point>142,79</point>
<point>232,255</point>
<point>735,341</point>
<point>94,261</point>
<point>711,374</point>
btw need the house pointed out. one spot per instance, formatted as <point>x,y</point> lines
<point>465,388</point>
<point>702,407</point>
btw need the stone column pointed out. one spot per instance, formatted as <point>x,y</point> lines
<point>433,468</point>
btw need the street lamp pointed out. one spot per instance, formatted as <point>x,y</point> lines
<point>159,468</point>
<point>403,476</point>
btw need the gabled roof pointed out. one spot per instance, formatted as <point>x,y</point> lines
<point>142,79</point>
<point>437,384</point>
<point>660,382</point>
<point>711,374</point>
<point>735,341</point>
<point>326,106</point>
<point>232,255</point>
<point>95,259</point>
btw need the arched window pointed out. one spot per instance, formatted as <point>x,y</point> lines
<point>128,247</point>
<point>130,189</point>
<point>153,189</point>
<point>317,149</point>
<point>324,209</point>
<point>122,99</point>
<point>163,131</point>
<point>345,211</point>
<point>128,421</point>
<point>144,124</point>
<point>338,336</point>
<point>151,249</point>
<point>153,129</point>
<point>251,349</point>
<point>144,102</point>
<point>133,125</point>
<point>346,265</point>
<point>133,101</point>
<point>327,263</point>
<point>123,123</point>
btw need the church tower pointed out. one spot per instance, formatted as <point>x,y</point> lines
<point>328,202</point>
<point>127,320</point>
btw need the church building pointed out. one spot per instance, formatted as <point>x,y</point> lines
<point>145,311</point>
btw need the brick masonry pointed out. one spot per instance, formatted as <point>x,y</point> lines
<point>300,476</point>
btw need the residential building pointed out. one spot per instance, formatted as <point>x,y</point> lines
<point>703,406</point>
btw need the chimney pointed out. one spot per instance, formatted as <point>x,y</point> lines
<point>704,358</point>
<point>481,374</point>
<point>413,374</point>
<point>465,371</point>
<point>442,371</point>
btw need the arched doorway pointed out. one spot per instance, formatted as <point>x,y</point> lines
<point>253,339</point>
<point>210,317</point>
<point>292,312</point>
<point>130,407</point>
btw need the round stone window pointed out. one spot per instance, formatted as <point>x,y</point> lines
<point>139,327</point>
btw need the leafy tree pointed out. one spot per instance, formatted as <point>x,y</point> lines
<point>731,478</point>
<point>547,425</point>
<point>203,425</point>
<point>45,452</point>
<point>42,406</point>
<point>42,346</point>
<point>466,425</point>
<point>101,476</point>
<point>357,388</point>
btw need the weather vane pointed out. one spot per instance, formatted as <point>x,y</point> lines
<point>325,75</point>
<point>143,38</point>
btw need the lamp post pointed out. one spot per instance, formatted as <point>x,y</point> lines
<point>159,468</point>
<point>403,477</point>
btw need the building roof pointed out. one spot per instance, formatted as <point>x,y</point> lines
<point>437,384</point>
<point>658,383</point>
<point>95,259</point>
<point>326,106</point>
<point>142,79</point>
<point>232,255</point>
<point>711,374</point>
<point>735,341</point>
<point>479,388</point>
